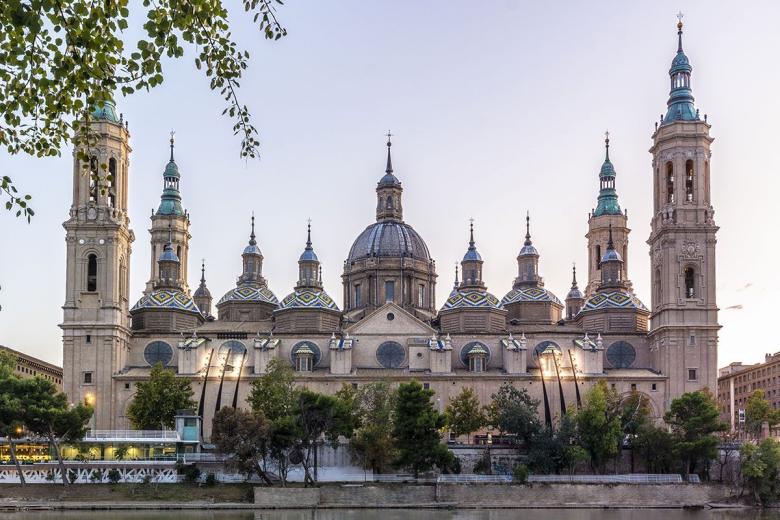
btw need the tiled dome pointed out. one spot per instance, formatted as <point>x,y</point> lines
<point>613,300</point>
<point>471,299</point>
<point>167,299</point>
<point>247,293</point>
<point>529,294</point>
<point>389,239</point>
<point>308,299</point>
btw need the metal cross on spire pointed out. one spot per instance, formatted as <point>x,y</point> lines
<point>173,133</point>
<point>680,16</point>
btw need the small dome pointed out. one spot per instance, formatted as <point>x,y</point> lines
<point>680,63</point>
<point>389,239</point>
<point>308,299</point>
<point>529,294</point>
<point>611,255</point>
<point>171,170</point>
<point>472,255</point>
<point>389,180</point>
<point>528,250</point>
<point>252,249</point>
<point>574,294</point>
<point>467,298</point>
<point>105,113</point>
<point>250,294</point>
<point>202,292</point>
<point>607,169</point>
<point>477,350</point>
<point>308,255</point>
<point>168,254</point>
<point>613,300</point>
<point>167,299</point>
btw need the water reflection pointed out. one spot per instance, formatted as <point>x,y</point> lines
<point>407,514</point>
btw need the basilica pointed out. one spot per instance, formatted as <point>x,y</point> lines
<point>388,325</point>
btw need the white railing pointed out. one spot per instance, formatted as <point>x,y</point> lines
<point>188,458</point>
<point>567,479</point>
<point>132,435</point>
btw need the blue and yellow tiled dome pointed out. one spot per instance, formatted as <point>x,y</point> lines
<point>167,299</point>
<point>309,298</point>
<point>613,300</point>
<point>248,293</point>
<point>529,294</point>
<point>471,298</point>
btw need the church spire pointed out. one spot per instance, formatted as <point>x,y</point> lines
<point>388,191</point>
<point>389,168</point>
<point>202,295</point>
<point>472,262</point>
<point>309,274</point>
<point>608,198</point>
<point>680,104</point>
<point>170,201</point>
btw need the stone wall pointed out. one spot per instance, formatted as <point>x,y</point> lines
<point>494,495</point>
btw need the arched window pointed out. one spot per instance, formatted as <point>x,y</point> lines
<point>598,257</point>
<point>92,273</point>
<point>690,282</point>
<point>122,279</point>
<point>389,202</point>
<point>658,292</point>
<point>305,356</point>
<point>93,178</point>
<point>475,356</point>
<point>689,181</point>
<point>669,183</point>
<point>111,180</point>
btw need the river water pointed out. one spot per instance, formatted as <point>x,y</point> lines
<point>400,514</point>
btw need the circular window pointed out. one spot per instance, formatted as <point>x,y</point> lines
<point>232,353</point>
<point>468,347</point>
<point>538,349</point>
<point>311,346</point>
<point>390,316</point>
<point>158,352</point>
<point>621,354</point>
<point>390,354</point>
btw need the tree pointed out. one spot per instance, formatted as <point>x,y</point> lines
<point>416,430</point>
<point>694,420</point>
<point>244,437</point>
<point>157,400</point>
<point>760,467</point>
<point>11,389</point>
<point>274,393</point>
<point>634,417</point>
<point>463,414</point>
<point>757,412</point>
<point>515,412</point>
<point>656,447</point>
<point>62,58</point>
<point>372,440</point>
<point>598,423</point>
<point>554,451</point>
<point>46,413</point>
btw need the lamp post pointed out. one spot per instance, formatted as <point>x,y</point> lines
<point>490,458</point>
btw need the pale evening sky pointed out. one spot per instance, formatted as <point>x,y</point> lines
<point>498,107</point>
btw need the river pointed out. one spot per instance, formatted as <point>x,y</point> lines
<point>401,514</point>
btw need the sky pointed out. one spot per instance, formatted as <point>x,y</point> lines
<point>497,108</point>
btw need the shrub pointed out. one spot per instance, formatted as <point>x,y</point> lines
<point>520,474</point>
<point>191,473</point>
<point>96,476</point>
<point>211,479</point>
<point>483,465</point>
<point>114,476</point>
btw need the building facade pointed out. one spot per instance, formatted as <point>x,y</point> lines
<point>737,382</point>
<point>389,325</point>
<point>29,366</point>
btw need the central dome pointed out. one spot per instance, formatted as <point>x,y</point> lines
<point>389,239</point>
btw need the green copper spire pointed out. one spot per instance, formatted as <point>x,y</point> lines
<point>105,111</point>
<point>680,104</point>
<point>608,199</point>
<point>170,202</point>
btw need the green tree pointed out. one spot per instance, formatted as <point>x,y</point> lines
<point>11,388</point>
<point>463,414</point>
<point>416,430</point>
<point>243,436</point>
<point>757,412</point>
<point>157,400</point>
<point>694,420</point>
<point>274,393</point>
<point>760,465</point>
<point>634,417</point>
<point>62,58</point>
<point>515,412</point>
<point>557,450</point>
<point>372,441</point>
<point>656,447</point>
<point>47,413</point>
<point>598,424</point>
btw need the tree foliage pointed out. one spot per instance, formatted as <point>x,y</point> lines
<point>62,57</point>
<point>599,427</point>
<point>244,437</point>
<point>372,441</point>
<point>274,393</point>
<point>416,430</point>
<point>157,400</point>
<point>694,420</point>
<point>757,412</point>
<point>760,465</point>
<point>463,414</point>
<point>513,411</point>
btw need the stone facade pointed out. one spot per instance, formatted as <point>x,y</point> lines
<point>390,327</point>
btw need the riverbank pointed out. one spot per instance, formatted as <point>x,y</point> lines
<point>364,496</point>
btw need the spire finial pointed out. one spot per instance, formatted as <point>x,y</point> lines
<point>457,283</point>
<point>389,168</point>
<point>606,144</point>
<point>203,271</point>
<point>170,236</point>
<point>573,275</point>
<point>173,133</point>
<point>308,234</point>
<point>610,243</point>
<point>471,232</point>
<point>527,228</point>
<point>679,30</point>
<point>252,241</point>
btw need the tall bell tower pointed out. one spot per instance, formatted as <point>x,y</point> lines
<point>96,328</point>
<point>684,321</point>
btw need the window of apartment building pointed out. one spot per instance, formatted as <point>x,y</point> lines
<point>87,378</point>
<point>692,374</point>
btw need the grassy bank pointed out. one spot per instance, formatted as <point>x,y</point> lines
<point>127,493</point>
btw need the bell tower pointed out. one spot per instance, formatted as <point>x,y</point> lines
<point>96,328</point>
<point>684,320</point>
